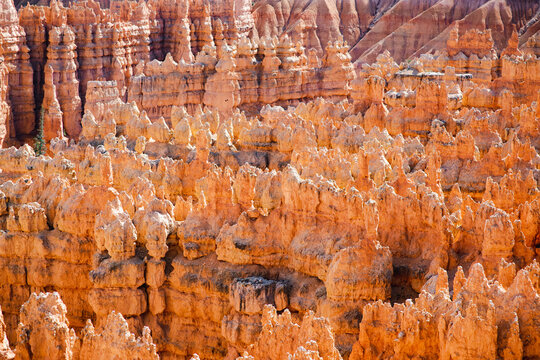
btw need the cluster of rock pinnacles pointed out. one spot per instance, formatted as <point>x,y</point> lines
<point>211,190</point>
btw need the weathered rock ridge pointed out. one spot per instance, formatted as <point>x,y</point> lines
<point>211,189</point>
<point>229,53</point>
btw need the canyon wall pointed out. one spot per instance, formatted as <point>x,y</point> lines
<point>117,40</point>
<point>406,28</point>
<point>15,54</point>
<point>328,206</point>
<point>210,190</point>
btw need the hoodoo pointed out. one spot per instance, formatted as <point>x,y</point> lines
<point>269,180</point>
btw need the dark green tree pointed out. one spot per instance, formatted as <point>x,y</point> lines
<point>39,142</point>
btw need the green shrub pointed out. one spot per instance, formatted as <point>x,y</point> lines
<point>40,147</point>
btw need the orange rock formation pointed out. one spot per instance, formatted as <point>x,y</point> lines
<point>222,182</point>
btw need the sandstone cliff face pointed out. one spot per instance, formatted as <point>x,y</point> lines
<point>20,90</point>
<point>109,40</point>
<point>208,182</point>
<point>236,237</point>
<point>85,42</point>
<point>112,39</point>
<point>403,27</point>
<point>61,57</point>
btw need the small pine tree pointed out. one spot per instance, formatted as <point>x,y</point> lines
<point>39,142</point>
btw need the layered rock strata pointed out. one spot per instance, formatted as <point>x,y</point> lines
<point>208,182</point>
<point>299,57</point>
<point>235,213</point>
<point>20,75</point>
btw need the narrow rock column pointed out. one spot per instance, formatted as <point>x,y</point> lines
<point>61,58</point>
<point>15,52</point>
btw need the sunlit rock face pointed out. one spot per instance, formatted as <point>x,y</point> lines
<point>20,118</point>
<point>269,180</point>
